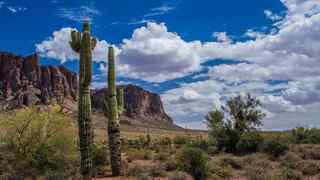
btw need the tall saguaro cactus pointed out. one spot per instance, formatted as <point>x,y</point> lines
<point>83,43</point>
<point>114,109</point>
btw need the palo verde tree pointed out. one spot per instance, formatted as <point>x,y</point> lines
<point>243,114</point>
<point>84,44</point>
<point>114,107</point>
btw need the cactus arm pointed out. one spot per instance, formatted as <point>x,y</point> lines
<point>75,41</point>
<point>120,100</point>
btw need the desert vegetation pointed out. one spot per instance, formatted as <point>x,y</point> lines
<point>38,143</point>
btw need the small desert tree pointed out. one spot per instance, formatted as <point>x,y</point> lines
<point>244,115</point>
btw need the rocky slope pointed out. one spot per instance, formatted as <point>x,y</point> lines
<point>23,82</point>
<point>140,106</point>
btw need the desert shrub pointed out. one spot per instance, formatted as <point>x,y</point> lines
<point>249,142</point>
<point>162,156</point>
<point>212,150</point>
<point>100,157</point>
<point>226,139</point>
<point>309,167</point>
<point>157,171</point>
<point>274,147</point>
<point>178,175</point>
<point>164,141</point>
<point>257,173</point>
<point>180,140</point>
<point>218,171</point>
<point>310,152</point>
<point>141,142</point>
<point>136,170</point>
<point>148,155</point>
<point>306,136</point>
<point>139,154</point>
<point>230,161</point>
<point>36,141</point>
<point>170,165</point>
<point>193,161</point>
<point>290,174</point>
<point>290,160</point>
<point>200,143</point>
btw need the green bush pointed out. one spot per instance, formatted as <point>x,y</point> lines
<point>249,142</point>
<point>180,140</point>
<point>36,141</point>
<point>227,140</point>
<point>193,161</point>
<point>100,157</point>
<point>200,143</point>
<point>302,135</point>
<point>275,147</point>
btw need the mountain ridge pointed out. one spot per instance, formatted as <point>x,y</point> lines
<point>24,82</point>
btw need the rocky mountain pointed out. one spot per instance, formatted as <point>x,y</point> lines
<point>23,82</point>
<point>140,106</point>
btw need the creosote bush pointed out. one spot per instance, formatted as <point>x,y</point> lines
<point>274,147</point>
<point>37,142</point>
<point>194,161</point>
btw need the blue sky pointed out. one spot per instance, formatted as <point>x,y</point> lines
<point>195,55</point>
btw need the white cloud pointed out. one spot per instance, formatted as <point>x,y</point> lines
<point>270,15</point>
<point>161,10</point>
<point>155,54</point>
<point>57,47</point>
<point>1,4</point>
<point>16,9</point>
<point>142,21</point>
<point>222,37</point>
<point>79,13</point>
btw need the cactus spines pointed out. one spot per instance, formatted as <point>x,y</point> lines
<point>113,117</point>
<point>83,44</point>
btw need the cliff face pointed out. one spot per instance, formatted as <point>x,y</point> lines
<point>23,82</point>
<point>140,105</point>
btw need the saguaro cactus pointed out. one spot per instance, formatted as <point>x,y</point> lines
<point>83,43</point>
<point>114,109</point>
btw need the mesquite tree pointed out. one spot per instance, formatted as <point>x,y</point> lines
<point>114,108</point>
<point>84,44</point>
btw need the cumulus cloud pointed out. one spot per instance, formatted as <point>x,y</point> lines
<point>57,47</point>
<point>154,54</point>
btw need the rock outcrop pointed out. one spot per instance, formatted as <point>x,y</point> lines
<point>140,106</point>
<point>24,82</point>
